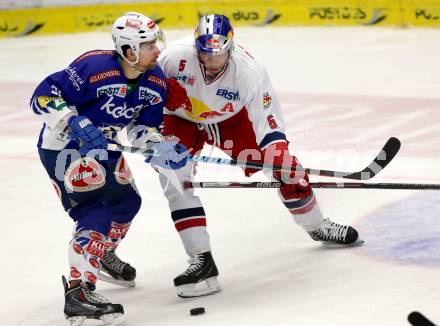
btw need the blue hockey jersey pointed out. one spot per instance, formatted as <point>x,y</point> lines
<point>95,86</point>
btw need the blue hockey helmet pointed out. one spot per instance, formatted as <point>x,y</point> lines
<point>214,34</point>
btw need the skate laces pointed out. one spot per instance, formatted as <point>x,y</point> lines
<point>113,261</point>
<point>331,230</point>
<point>91,296</point>
<point>195,262</point>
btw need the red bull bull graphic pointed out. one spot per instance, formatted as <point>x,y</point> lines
<point>199,111</point>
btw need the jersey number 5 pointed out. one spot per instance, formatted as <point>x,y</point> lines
<point>272,122</point>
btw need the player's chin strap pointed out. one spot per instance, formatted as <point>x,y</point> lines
<point>387,153</point>
<point>133,64</point>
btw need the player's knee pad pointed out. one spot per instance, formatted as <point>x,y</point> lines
<point>172,184</point>
<point>133,204</point>
<point>125,208</point>
<point>121,213</point>
<point>185,200</point>
<point>97,221</point>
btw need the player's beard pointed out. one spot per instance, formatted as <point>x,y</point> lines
<point>212,71</point>
<point>150,66</point>
<point>209,76</point>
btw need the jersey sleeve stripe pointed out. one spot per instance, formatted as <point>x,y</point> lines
<point>272,137</point>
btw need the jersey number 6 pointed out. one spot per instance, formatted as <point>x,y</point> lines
<point>272,122</point>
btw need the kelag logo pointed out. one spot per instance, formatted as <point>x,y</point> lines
<point>151,96</point>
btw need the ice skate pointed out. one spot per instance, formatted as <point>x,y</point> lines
<point>331,232</point>
<point>200,278</point>
<point>116,271</point>
<point>82,303</point>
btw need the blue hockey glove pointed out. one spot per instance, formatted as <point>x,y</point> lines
<point>170,155</point>
<point>88,136</point>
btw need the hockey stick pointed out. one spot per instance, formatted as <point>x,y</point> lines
<point>387,153</point>
<point>327,185</point>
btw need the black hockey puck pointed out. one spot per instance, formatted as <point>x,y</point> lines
<point>197,311</point>
<point>417,319</point>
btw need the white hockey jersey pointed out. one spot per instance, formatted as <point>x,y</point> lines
<point>243,85</point>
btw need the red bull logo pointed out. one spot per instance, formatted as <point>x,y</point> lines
<point>199,111</point>
<point>267,100</point>
<point>210,114</point>
<point>212,44</point>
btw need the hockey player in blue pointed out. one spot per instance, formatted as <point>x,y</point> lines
<point>83,108</point>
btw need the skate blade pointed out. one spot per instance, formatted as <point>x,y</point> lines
<point>107,320</point>
<point>77,320</point>
<point>206,287</point>
<point>112,319</point>
<point>358,242</point>
<point>109,279</point>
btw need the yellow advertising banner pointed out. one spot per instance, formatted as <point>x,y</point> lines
<point>180,14</point>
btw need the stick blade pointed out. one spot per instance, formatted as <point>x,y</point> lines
<point>385,156</point>
<point>417,319</point>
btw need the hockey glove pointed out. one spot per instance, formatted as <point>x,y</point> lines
<point>88,136</point>
<point>177,97</point>
<point>295,184</point>
<point>170,155</point>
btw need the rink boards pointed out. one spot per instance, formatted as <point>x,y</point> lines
<point>184,14</point>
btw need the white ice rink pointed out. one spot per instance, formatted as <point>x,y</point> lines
<point>344,92</point>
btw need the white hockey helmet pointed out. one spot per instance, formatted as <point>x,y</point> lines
<point>132,29</point>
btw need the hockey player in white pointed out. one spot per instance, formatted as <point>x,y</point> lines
<point>226,99</point>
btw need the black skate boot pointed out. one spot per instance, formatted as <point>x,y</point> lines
<point>201,269</point>
<point>82,303</point>
<point>120,272</point>
<point>332,232</point>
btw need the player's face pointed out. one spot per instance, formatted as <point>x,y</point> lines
<point>148,54</point>
<point>214,63</point>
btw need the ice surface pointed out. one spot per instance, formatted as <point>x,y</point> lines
<point>344,92</point>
